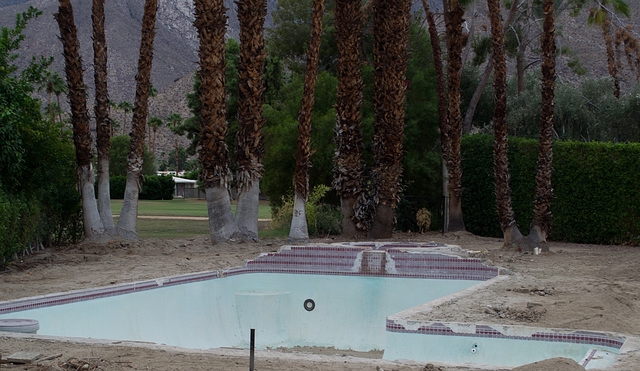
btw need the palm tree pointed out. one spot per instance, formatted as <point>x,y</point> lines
<point>101,109</point>
<point>299,230</point>
<point>53,84</point>
<point>251,15</point>
<point>391,35</point>
<point>154,123</point>
<point>601,15</point>
<point>173,122</point>
<point>152,94</point>
<point>348,168</point>
<point>500,150</point>
<point>126,107</point>
<point>544,191</point>
<point>127,222</point>
<point>443,114</point>
<point>93,227</point>
<point>214,155</point>
<point>114,124</point>
<point>456,41</point>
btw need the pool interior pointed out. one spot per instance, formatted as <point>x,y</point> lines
<point>377,273</point>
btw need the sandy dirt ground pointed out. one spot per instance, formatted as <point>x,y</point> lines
<point>582,287</point>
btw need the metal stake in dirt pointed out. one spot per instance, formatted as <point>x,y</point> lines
<point>252,348</point>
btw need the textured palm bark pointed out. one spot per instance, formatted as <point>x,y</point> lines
<point>611,58</point>
<point>443,113</point>
<point>391,34</point>
<point>348,167</point>
<point>303,152</point>
<point>454,164</point>
<point>216,176</point>
<point>128,221</point>
<point>502,176</point>
<point>544,192</point>
<point>101,110</point>
<point>93,227</point>
<point>251,15</point>
<point>477,94</point>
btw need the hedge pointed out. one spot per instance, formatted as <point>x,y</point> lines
<point>596,189</point>
<point>153,187</point>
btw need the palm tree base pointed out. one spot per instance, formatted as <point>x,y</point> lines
<point>222,226</point>
<point>299,231</point>
<point>247,212</point>
<point>347,205</point>
<point>382,226</point>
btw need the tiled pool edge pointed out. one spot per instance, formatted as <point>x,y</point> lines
<point>323,259</point>
<point>344,259</point>
<point>404,322</point>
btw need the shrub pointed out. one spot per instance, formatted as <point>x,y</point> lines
<point>596,194</point>
<point>153,187</point>
<point>322,219</point>
<point>423,219</point>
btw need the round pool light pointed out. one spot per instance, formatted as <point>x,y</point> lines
<point>309,305</point>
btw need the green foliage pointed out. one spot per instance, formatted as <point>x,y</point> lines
<point>289,36</point>
<point>157,188</point>
<point>120,146</point>
<point>589,112</point>
<point>38,200</point>
<point>322,219</point>
<point>153,187</point>
<point>596,195</point>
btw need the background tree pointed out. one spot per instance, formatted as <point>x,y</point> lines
<point>174,122</point>
<point>39,202</point>
<point>93,227</point>
<point>53,84</point>
<point>154,123</point>
<point>126,107</point>
<point>127,222</point>
<point>299,230</point>
<point>214,154</point>
<point>119,151</point>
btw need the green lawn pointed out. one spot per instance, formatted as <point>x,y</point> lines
<point>181,207</point>
<point>180,228</point>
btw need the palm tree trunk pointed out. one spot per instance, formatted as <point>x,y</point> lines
<point>101,110</point>
<point>544,193</point>
<point>348,167</point>
<point>477,94</point>
<point>611,60</point>
<point>251,15</point>
<point>214,155</point>
<point>127,223</point>
<point>443,114</point>
<point>299,229</point>
<point>391,35</point>
<point>93,227</point>
<point>454,165</point>
<point>506,216</point>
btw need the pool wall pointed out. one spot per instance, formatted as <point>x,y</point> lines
<point>353,286</point>
<point>246,305</point>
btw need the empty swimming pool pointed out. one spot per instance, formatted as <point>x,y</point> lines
<point>342,295</point>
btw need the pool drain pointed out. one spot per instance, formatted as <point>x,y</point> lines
<point>309,305</point>
<point>474,350</point>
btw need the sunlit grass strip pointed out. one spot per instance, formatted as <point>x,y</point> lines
<point>180,207</point>
<point>177,228</point>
